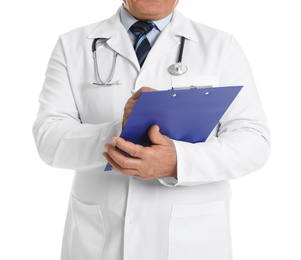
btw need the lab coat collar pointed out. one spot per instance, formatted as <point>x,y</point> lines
<point>111,27</point>
<point>107,28</point>
<point>181,26</point>
<point>114,33</point>
<point>170,38</point>
<point>117,37</point>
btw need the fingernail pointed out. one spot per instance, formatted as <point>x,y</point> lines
<point>113,140</point>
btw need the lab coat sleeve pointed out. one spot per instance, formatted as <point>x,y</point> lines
<point>241,143</point>
<point>61,139</point>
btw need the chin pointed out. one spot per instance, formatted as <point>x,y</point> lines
<point>152,13</point>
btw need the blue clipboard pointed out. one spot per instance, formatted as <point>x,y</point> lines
<point>187,115</point>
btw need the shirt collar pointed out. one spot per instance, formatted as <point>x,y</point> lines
<point>128,20</point>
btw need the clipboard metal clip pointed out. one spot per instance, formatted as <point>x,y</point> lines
<point>191,87</point>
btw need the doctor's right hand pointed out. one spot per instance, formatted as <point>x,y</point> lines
<point>131,103</point>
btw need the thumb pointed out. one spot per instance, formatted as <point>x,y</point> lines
<point>155,136</point>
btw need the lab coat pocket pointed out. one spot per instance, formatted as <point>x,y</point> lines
<point>199,232</point>
<point>88,233</point>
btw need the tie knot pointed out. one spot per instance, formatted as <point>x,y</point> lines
<point>142,27</point>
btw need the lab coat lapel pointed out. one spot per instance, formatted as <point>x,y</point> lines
<point>170,38</point>
<point>117,38</point>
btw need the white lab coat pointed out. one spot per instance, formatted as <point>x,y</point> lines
<point>112,216</point>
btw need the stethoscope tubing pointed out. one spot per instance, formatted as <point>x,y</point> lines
<point>174,69</point>
<point>100,81</point>
<point>181,49</point>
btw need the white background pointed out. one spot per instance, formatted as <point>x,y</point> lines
<point>266,214</point>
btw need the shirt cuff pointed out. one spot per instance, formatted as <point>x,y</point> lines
<point>169,181</point>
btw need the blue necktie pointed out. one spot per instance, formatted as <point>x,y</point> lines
<point>142,46</point>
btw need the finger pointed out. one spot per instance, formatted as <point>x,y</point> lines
<point>121,159</point>
<point>143,89</point>
<point>132,149</point>
<point>128,110</point>
<point>115,166</point>
<point>129,107</point>
<point>131,103</point>
<point>156,137</point>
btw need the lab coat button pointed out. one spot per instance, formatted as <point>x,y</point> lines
<point>132,222</point>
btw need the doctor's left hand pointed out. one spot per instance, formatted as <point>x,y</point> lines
<point>153,162</point>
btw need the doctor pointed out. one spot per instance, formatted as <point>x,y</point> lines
<point>172,201</point>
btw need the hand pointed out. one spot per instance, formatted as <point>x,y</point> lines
<point>153,162</point>
<point>131,103</point>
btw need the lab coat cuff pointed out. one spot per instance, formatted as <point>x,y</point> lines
<point>182,167</point>
<point>171,181</point>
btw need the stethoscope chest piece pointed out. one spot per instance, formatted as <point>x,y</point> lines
<point>177,69</point>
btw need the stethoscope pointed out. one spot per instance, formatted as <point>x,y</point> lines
<point>100,81</point>
<point>179,68</point>
<point>176,69</point>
